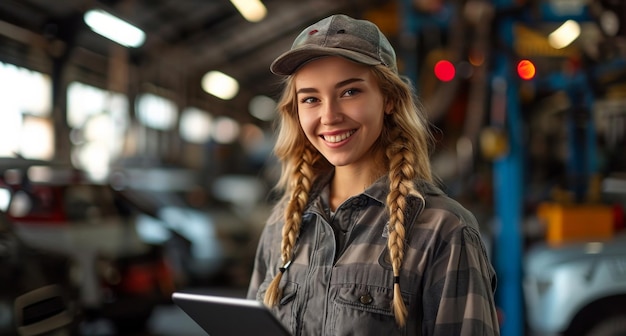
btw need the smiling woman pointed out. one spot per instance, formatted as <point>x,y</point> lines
<point>362,241</point>
<point>340,108</point>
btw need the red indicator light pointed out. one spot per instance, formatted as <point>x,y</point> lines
<point>444,71</point>
<point>526,69</point>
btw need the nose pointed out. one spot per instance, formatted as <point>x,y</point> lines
<point>331,113</point>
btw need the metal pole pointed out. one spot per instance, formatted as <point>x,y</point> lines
<point>508,191</point>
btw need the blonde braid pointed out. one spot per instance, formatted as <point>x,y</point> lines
<point>406,139</point>
<point>302,177</point>
<point>401,176</point>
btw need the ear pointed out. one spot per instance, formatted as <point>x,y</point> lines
<point>388,107</point>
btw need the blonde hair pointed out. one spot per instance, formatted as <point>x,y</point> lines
<point>405,142</point>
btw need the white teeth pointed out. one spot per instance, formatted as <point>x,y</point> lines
<point>339,137</point>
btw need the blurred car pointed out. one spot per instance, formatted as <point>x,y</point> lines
<point>173,211</point>
<point>210,242</point>
<point>189,235</point>
<point>577,289</point>
<point>36,296</point>
<point>120,277</point>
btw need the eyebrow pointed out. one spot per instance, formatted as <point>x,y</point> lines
<point>338,85</point>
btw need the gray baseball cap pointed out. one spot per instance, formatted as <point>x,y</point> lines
<point>338,35</point>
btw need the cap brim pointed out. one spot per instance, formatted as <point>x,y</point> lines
<point>290,61</point>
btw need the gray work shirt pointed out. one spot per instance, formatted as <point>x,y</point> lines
<point>343,285</point>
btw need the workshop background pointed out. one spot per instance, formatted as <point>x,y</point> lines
<point>139,164</point>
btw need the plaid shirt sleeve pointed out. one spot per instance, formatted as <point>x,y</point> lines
<point>461,281</point>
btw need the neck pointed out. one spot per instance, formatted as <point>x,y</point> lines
<point>348,182</point>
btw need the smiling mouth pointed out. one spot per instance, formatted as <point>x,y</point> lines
<point>338,137</point>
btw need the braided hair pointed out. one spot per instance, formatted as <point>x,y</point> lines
<point>405,142</point>
<point>301,165</point>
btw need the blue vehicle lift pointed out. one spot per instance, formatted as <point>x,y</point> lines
<point>508,171</point>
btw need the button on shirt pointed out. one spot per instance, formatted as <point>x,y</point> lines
<point>341,280</point>
<point>344,220</point>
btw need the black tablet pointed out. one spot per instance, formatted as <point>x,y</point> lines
<point>220,316</point>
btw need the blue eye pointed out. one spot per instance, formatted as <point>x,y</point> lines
<point>351,92</point>
<point>308,100</point>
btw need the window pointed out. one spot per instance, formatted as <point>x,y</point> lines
<point>25,105</point>
<point>156,112</point>
<point>99,120</point>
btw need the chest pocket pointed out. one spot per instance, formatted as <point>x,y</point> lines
<point>364,310</point>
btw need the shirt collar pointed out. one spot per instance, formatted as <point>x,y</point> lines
<point>377,190</point>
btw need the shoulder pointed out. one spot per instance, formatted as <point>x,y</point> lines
<point>444,226</point>
<point>442,213</point>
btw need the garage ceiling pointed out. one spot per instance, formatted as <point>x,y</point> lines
<point>185,39</point>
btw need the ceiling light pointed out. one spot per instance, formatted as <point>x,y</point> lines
<point>251,10</point>
<point>114,28</point>
<point>156,112</point>
<point>262,107</point>
<point>220,85</point>
<point>225,130</point>
<point>195,125</point>
<point>564,35</point>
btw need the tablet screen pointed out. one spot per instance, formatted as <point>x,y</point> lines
<point>219,315</point>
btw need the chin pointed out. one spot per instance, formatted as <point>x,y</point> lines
<point>338,163</point>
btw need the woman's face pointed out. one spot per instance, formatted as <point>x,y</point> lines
<point>341,109</point>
